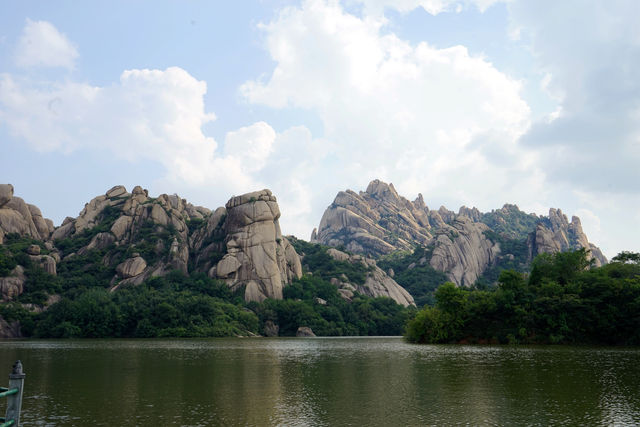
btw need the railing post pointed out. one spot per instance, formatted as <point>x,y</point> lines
<point>14,403</point>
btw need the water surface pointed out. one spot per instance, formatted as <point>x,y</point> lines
<point>321,381</point>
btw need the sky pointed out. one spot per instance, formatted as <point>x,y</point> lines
<point>469,102</point>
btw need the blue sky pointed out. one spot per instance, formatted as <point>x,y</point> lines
<point>471,102</point>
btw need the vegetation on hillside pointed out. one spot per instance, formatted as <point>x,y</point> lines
<point>560,301</point>
<point>413,272</point>
<point>179,305</point>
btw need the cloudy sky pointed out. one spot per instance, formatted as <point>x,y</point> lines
<point>470,102</point>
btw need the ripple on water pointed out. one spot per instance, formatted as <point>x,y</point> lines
<point>322,381</point>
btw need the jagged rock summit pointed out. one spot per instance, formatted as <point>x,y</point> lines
<point>378,221</point>
<point>146,237</point>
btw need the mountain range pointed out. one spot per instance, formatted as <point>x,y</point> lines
<point>377,243</point>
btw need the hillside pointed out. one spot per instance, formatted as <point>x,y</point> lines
<point>469,246</point>
<point>134,265</point>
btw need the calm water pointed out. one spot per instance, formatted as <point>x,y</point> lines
<point>321,381</point>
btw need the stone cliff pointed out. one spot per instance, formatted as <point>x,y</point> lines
<point>146,237</point>
<point>375,222</point>
<point>378,221</point>
<point>256,255</point>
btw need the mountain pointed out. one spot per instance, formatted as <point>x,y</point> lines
<point>466,246</point>
<point>133,265</point>
<point>124,238</point>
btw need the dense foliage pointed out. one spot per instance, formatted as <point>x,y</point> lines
<point>171,306</point>
<point>413,272</point>
<point>560,301</point>
<point>316,303</point>
<point>317,260</point>
<point>179,305</point>
<point>514,255</point>
<point>511,222</point>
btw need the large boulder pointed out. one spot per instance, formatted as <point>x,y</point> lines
<point>12,285</point>
<point>16,216</point>
<point>305,332</point>
<point>256,255</point>
<point>131,267</point>
<point>6,193</point>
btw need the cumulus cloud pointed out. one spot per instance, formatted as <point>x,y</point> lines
<point>434,7</point>
<point>42,45</point>
<point>592,140</point>
<point>148,115</point>
<point>420,116</point>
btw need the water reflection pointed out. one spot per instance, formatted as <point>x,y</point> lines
<point>328,381</point>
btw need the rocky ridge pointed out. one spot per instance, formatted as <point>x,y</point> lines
<point>377,282</point>
<point>139,237</point>
<point>240,243</point>
<point>378,221</point>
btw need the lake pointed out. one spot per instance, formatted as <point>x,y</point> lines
<point>321,381</point>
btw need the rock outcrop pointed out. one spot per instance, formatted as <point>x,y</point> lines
<point>557,234</point>
<point>157,226</point>
<point>19,217</point>
<point>241,243</point>
<point>12,285</point>
<point>375,222</point>
<point>379,221</point>
<point>305,332</point>
<point>256,254</point>
<point>377,282</point>
<point>463,251</point>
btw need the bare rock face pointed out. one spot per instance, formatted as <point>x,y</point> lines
<point>12,285</point>
<point>379,221</point>
<point>241,244</point>
<point>131,267</point>
<point>375,222</point>
<point>557,234</point>
<point>137,219</point>
<point>462,251</point>
<point>46,262</point>
<point>257,256</point>
<point>16,216</point>
<point>305,332</point>
<point>377,282</point>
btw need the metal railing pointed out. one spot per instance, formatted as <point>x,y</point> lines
<point>13,393</point>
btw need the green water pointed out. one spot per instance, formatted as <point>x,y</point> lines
<point>322,381</point>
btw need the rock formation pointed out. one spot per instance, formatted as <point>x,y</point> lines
<point>557,234</point>
<point>379,221</point>
<point>463,251</point>
<point>19,217</point>
<point>256,254</point>
<point>241,244</point>
<point>375,222</point>
<point>377,282</point>
<point>155,228</point>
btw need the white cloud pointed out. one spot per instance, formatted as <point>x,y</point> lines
<point>589,52</point>
<point>149,115</point>
<point>422,117</point>
<point>434,7</point>
<point>42,45</point>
